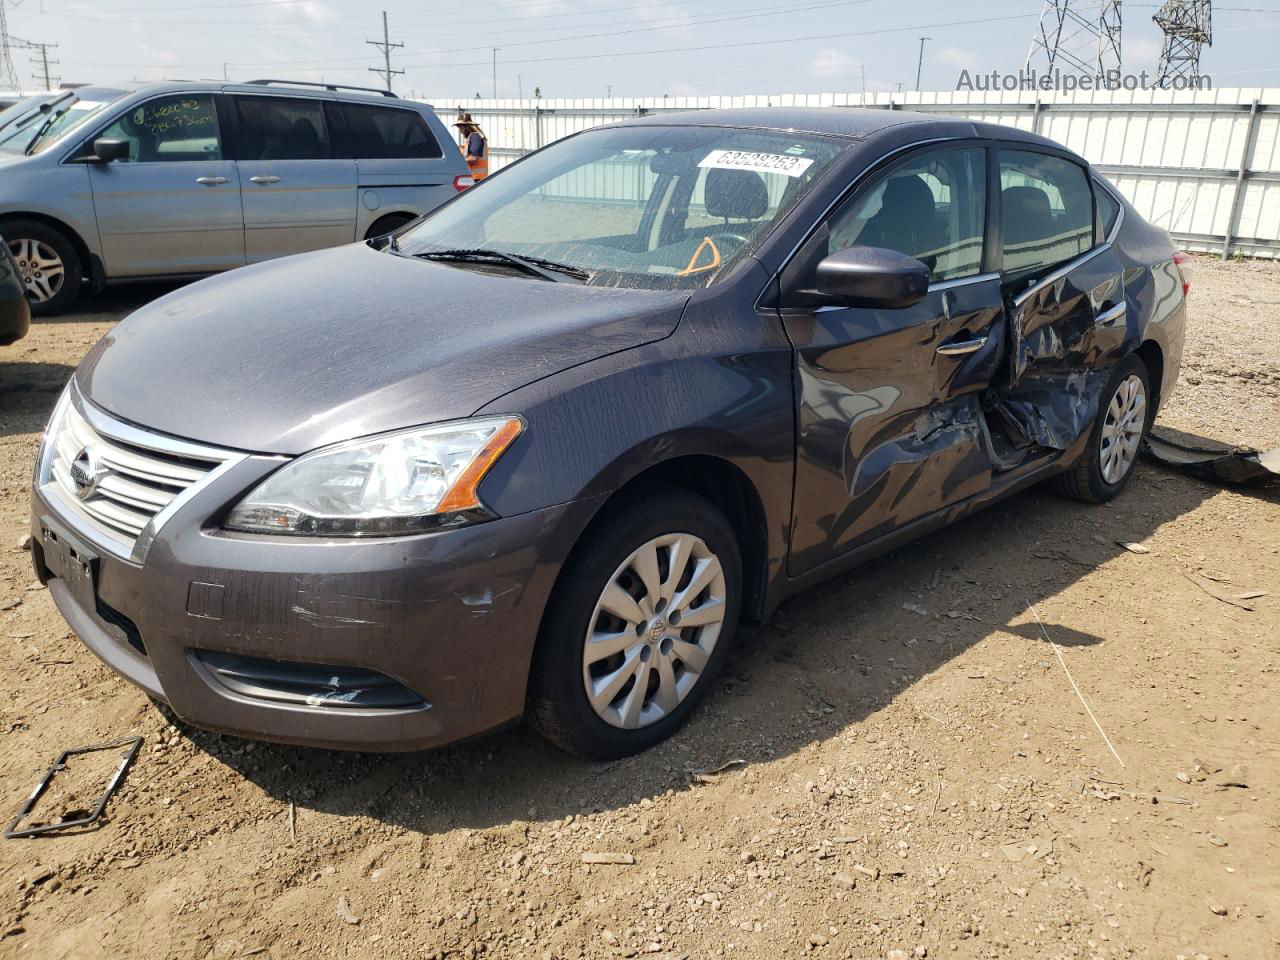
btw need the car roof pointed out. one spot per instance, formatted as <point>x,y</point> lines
<point>850,123</point>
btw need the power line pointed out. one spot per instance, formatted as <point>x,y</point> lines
<point>749,43</point>
<point>385,46</point>
<point>714,46</point>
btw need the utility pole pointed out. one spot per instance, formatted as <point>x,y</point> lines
<point>386,47</point>
<point>495,73</point>
<point>45,62</point>
<point>920,62</point>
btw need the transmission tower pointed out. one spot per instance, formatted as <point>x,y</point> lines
<point>8,73</point>
<point>1077,36</point>
<point>1187,26</point>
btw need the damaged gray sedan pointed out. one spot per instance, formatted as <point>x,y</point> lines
<point>539,453</point>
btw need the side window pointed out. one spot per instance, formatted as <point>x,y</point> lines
<point>1047,212</point>
<point>385,133</point>
<point>1108,208</point>
<point>276,128</point>
<point>931,206</point>
<point>169,129</point>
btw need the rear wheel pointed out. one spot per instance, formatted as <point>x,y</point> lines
<point>1124,416</point>
<point>638,627</point>
<point>47,262</point>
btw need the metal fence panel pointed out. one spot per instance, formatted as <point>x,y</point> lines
<point>1204,165</point>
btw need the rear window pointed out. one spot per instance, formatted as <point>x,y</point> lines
<point>386,133</point>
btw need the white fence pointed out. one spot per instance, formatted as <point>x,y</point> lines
<point>1205,165</point>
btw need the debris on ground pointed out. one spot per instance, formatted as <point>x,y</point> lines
<point>1216,462</point>
<point>75,817</point>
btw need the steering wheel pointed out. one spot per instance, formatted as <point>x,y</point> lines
<point>737,238</point>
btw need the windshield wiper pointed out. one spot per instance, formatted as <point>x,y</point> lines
<point>539,267</point>
<point>49,121</point>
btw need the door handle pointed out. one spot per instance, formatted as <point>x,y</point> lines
<point>958,348</point>
<point>1111,316</point>
<point>213,181</point>
<point>261,178</point>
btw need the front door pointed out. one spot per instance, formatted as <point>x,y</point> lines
<point>1067,319</point>
<point>888,410</point>
<point>298,194</point>
<point>173,206</point>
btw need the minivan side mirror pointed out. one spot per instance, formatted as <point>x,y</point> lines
<point>106,150</point>
<point>871,277</point>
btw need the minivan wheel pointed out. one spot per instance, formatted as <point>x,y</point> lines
<point>388,224</point>
<point>638,626</point>
<point>48,264</point>
<point>1124,416</point>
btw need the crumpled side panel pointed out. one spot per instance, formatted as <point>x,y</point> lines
<point>1054,413</point>
<point>1062,338</point>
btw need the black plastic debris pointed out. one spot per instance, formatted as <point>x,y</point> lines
<point>131,747</point>
<point>1215,462</point>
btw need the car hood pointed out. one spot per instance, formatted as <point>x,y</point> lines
<point>290,355</point>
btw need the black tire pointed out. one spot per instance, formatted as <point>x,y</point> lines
<point>68,291</point>
<point>1085,481</point>
<point>558,706</point>
<point>388,224</point>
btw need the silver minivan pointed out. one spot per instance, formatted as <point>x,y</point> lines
<point>173,180</point>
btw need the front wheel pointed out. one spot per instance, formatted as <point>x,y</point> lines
<point>638,627</point>
<point>48,264</point>
<point>1124,416</point>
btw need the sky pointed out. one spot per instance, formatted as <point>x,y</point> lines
<point>594,48</point>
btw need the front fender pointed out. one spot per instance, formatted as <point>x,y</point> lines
<point>719,387</point>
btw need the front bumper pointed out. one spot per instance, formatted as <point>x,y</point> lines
<point>451,615</point>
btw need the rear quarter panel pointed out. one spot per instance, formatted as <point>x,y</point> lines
<point>1153,290</point>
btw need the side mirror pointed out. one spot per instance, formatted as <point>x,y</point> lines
<point>107,150</point>
<point>872,277</point>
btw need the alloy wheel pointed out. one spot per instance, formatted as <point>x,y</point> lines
<point>1122,429</point>
<point>40,267</point>
<point>653,630</point>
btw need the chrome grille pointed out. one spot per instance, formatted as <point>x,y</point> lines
<point>116,478</point>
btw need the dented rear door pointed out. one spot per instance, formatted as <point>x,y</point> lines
<point>1068,320</point>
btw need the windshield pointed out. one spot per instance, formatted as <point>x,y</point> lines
<point>66,116</point>
<point>647,207</point>
<point>19,123</point>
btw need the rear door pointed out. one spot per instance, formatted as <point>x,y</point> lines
<point>1067,317</point>
<point>298,193</point>
<point>174,205</point>
<point>888,410</point>
<point>400,163</point>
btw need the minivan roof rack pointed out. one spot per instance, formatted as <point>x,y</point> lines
<point>332,87</point>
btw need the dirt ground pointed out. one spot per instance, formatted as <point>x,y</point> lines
<point>913,773</point>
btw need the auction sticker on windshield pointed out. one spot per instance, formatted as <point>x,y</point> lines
<point>759,162</point>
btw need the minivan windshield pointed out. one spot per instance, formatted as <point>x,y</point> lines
<point>648,207</point>
<point>67,115</point>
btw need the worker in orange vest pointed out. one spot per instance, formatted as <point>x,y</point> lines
<point>474,145</point>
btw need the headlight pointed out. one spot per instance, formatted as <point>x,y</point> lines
<point>397,483</point>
